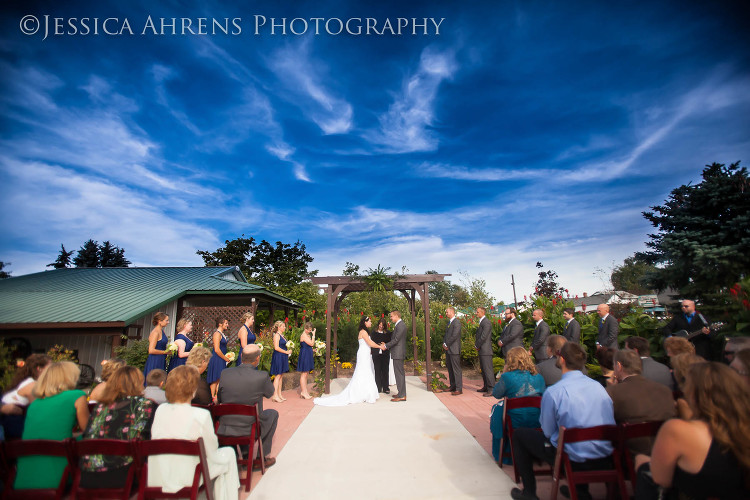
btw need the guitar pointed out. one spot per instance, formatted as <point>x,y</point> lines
<point>713,327</point>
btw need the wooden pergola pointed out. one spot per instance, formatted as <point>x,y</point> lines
<point>338,287</point>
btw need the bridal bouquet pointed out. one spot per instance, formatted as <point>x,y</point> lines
<point>172,348</point>
<point>290,345</point>
<point>198,344</point>
<point>260,346</point>
<point>319,347</point>
<point>231,356</point>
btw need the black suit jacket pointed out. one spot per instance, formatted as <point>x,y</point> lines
<point>608,331</point>
<point>539,342</point>
<point>379,337</point>
<point>573,331</point>
<point>512,335</point>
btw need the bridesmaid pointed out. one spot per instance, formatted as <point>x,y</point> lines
<point>157,345</point>
<point>183,342</point>
<point>219,359</point>
<point>245,334</point>
<point>279,360</point>
<point>305,362</point>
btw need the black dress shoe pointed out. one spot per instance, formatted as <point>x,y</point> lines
<point>518,494</point>
<point>387,391</point>
<point>483,389</point>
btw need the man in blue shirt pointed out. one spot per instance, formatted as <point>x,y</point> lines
<point>575,401</point>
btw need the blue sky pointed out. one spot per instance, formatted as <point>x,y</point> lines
<point>523,131</point>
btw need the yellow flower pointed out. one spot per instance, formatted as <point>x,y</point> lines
<point>346,366</point>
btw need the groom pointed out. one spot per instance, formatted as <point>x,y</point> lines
<point>397,346</point>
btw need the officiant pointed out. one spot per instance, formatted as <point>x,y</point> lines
<point>381,358</point>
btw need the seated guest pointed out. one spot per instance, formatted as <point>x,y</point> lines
<point>575,401</point>
<point>108,368</point>
<point>199,358</point>
<point>605,358</point>
<point>548,368</point>
<point>155,386</point>
<point>177,419</point>
<point>677,345</point>
<point>58,407</point>
<point>707,455</point>
<point>741,364</point>
<point>122,413</point>
<point>519,379</point>
<point>734,345</point>
<point>247,385</point>
<point>20,394</point>
<point>681,364</point>
<point>652,370</point>
<point>628,399</point>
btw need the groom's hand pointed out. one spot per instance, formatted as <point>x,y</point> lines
<point>382,346</point>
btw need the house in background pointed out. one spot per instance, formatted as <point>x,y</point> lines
<point>94,310</point>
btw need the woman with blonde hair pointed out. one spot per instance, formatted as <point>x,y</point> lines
<point>108,369</point>
<point>245,334</point>
<point>677,345</point>
<point>279,359</point>
<point>177,419</point>
<point>519,378</point>
<point>183,343</point>
<point>157,345</point>
<point>58,407</point>
<point>122,413</point>
<point>219,360</point>
<point>708,455</point>
<point>199,358</point>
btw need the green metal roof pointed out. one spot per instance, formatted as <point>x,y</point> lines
<point>120,294</point>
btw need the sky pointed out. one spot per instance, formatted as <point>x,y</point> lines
<point>469,138</point>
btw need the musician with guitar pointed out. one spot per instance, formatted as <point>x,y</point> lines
<point>693,326</point>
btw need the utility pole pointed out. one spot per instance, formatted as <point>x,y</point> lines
<point>513,283</point>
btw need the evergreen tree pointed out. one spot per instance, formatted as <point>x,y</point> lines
<point>703,237</point>
<point>63,259</point>
<point>88,255</point>
<point>3,273</point>
<point>112,256</point>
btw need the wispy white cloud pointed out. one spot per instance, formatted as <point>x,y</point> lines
<point>406,126</point>
<point>303,77</point>
<point>492,174</point>
<point>69,207</point>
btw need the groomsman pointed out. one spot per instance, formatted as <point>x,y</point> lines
<point>608,328</point>
<point>541,333</point>
<point>397,346</point>
<point>452,347</point>
<point>572,327</point>
<point>512,335</point>
<point>483,344</point>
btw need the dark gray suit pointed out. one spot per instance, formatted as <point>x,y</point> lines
<point>483,343</point>
<point>549,370</point>
<point>608,331</point>
<point>653,370</point>
<point>246,385</point>
<point>573,331</point>
<point>452,340</point>
<point>512,336</point>
<point>539,342</point>
<point>397,347</point>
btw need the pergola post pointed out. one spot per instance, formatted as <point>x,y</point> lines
<point>427,332</point>
<point>329,293</point>
<point>413,308</point>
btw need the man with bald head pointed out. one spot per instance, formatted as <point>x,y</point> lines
<point>247,385</point>
<point>608,328</point>
<point>691,321</point>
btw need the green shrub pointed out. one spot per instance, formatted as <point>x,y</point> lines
<point>134,353</point>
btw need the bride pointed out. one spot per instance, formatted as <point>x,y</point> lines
<point>362,386</point>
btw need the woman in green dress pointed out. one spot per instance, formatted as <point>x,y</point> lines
<point>53,415</point>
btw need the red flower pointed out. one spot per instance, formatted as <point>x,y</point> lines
<point>524,297</point>
<point>382,315</point>
<point>733,291</point>
<point>314,311</point>
<point>746,303</point>
<point>576,296</point>
<point>303,311</point>
<point>554,302</point>
<point>492,308</point>
<point>441,316</point>
<point>499,322</point>
<point>361,313</point>
<point>286,320</point>
<point>566,290</point>
<point>583,306</point>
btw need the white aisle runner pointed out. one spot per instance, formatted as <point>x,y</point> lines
<point>411,450</point>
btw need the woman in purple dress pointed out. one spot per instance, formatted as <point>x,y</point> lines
<point>305,360</point>
<point>279,360</point>
<point>245,334</point>
<point>219,359</point>
<point>183,343</point>
<point>157,345</point>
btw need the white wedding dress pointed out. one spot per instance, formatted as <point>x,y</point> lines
<point>362,386</point>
